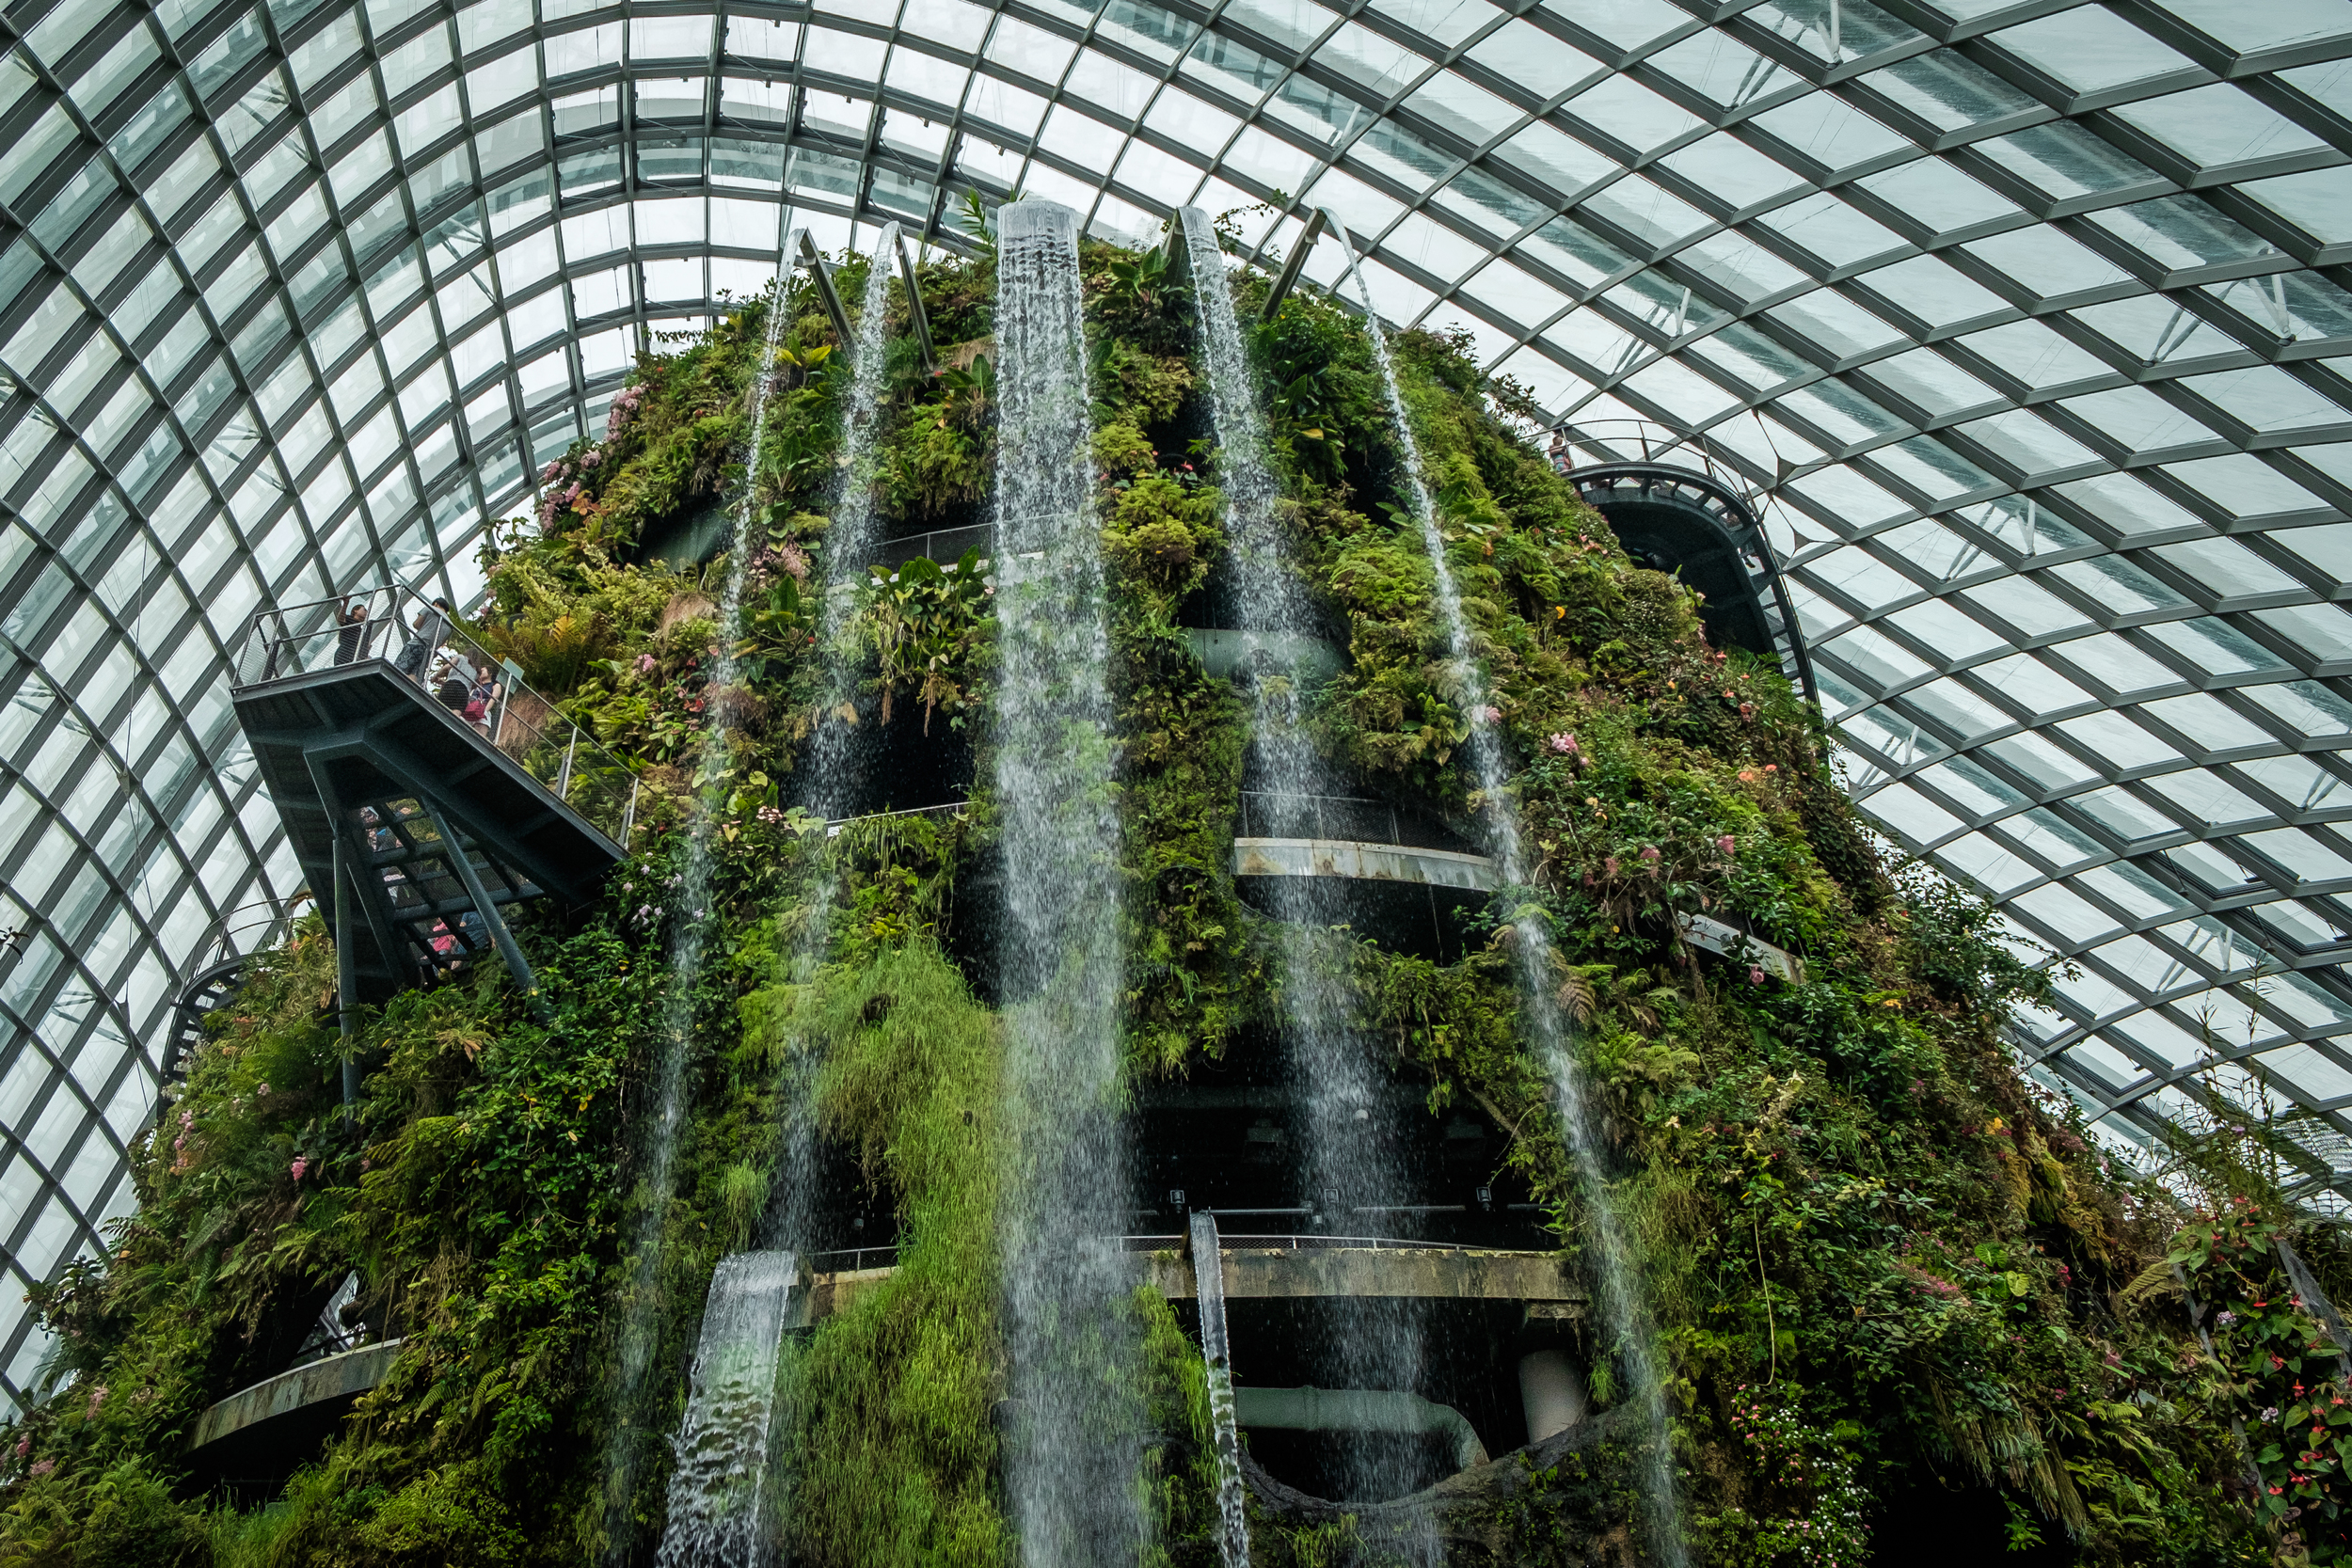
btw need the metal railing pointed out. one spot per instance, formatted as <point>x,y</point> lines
<point>1231,1240</point>
<point>946,808</point>
<point>247,929</point>
<point>1268,814</point>
<point>851,1259</point>
<point>1632,456</point>
<point>420,643</point>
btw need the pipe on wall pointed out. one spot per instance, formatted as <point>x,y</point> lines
<point>1551,1391</point>
<point>1359,1410</point>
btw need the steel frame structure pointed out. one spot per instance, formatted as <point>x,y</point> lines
<point>2025,318</point>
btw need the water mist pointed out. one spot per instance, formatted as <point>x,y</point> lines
<point>1076,1422</point>
<point>1613,1267</point>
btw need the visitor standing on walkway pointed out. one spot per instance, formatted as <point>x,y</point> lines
<point>352,635</point>
<point>424,639</point>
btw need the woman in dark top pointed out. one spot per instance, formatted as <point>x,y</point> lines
<point>352,636</point>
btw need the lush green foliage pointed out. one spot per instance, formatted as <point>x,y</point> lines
<point>1884,1269</point>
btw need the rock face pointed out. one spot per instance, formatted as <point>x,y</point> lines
<point>1569,1501</point>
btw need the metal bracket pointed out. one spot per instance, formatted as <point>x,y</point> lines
<point>1296,260</point>
<point>916,313</point>
<point>825,290</point>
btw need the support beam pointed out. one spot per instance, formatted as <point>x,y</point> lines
<point>916,313</point>
<point>369,894</point>
<point>1292,267</point>
<point>826,292</point>
<point>462,864</point>
<point>1176,252</point>
<point>346,980</point>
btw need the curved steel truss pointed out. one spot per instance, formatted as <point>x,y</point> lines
<point>2025,318</point>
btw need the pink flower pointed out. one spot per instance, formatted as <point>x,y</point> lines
<point>644,664</point>
<point>1492,714</point>
<point>1747,710</point>
<point>1651,854</point>
<point>555,466</point>
<point>263,1091</point>
<point>1725,844</point>
<point>302,1163</point>
<point>1563,743</point>
<point>1609,866</point>
<point>97,1398</point>
<point>592,459</point>
<point>23,1446</point>
<point>1756,975</point>
<point>44,1467</point>
<point>1772,768</point>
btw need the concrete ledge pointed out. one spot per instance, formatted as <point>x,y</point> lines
<point>1444,1273</point>
<point>1451,1274</point>
<point>345,1376</point>
<point>1377,862</point>
<point>1716,937</point>
<point>1309,660</point>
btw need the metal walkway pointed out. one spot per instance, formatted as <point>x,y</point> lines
<point>423,785</point>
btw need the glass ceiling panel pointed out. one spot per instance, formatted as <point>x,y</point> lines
<point>2064,313</point>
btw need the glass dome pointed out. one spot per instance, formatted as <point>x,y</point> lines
<point>2024,319</point>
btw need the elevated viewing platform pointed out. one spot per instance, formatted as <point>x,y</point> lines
<point>423,783</point>
<point>1678,507</point>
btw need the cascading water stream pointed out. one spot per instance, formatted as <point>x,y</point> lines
<point>689,901</point>
<point>829,773</point>
<point>1351,1127</point>
<point>1076,1422</point>
<point>827,779</point>
<point>1208,1273</point>
<point>717,1514</point>
<point>1613,1266</point>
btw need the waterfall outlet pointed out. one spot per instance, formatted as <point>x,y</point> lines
<point>1208,1273</point>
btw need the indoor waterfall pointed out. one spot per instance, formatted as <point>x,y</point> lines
<point>1351,1129</point>
<point>828,781</point>
<point>717,1519</point>
<point>1208,1275</point>
<point>686,903</point>
<point>1075,1424</point>
<point>1616,1273</point>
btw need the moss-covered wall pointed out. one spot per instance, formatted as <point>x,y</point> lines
<point>1904,1302</point>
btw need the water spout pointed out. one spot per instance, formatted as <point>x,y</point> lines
<point>1208,1273</point>
<point>718,1517</point>
<point>1620,1289</point>
<point>688,905</point>
<point>1077,1423</point>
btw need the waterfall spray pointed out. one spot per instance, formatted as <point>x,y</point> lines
<point>690,904</point>
<point>827,780</point>
<point>1613,1266</point>
<point>1076,1421</point>
<point>1352,1131</point>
